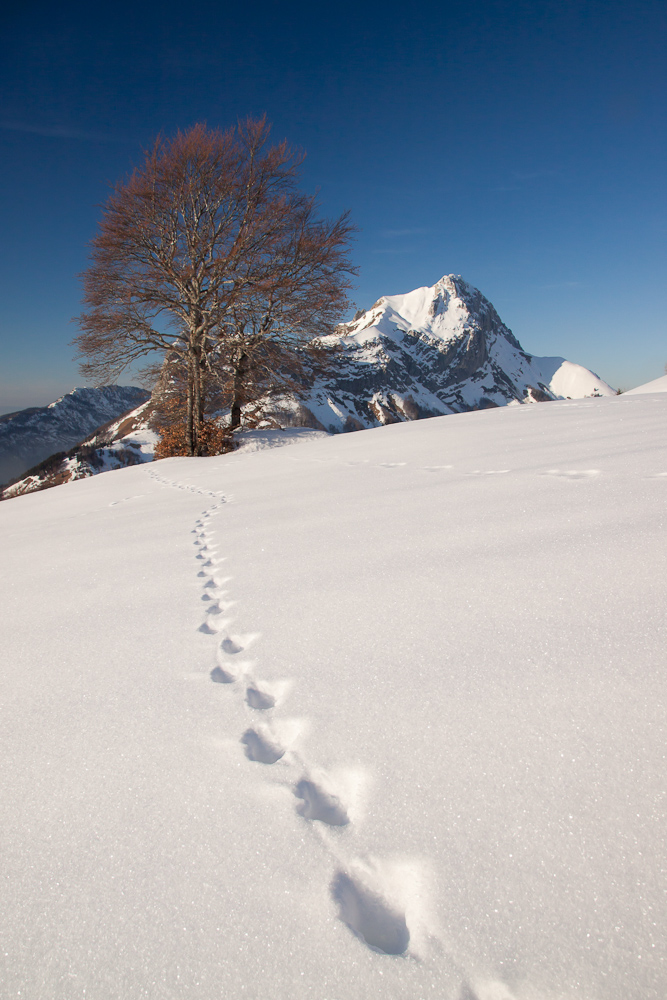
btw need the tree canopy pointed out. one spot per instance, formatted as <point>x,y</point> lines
<point>210,255</point>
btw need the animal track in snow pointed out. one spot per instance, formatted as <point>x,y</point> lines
<point>317,803</point>
<point>372,900</point>
<point>261,746</point>
<point>370,915</point>
<point>230,646</point>
<point>392,465</point>
<point>572,473</point>
<point>184,486</point>
<point>211,627</point>
<point>258,699</point>
<point>436,468</point>
<point>215,609</point>
<point>220,676</point>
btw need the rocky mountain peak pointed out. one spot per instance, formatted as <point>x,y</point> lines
<point>434,350</point>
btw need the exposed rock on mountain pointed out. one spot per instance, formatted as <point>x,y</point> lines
<point>28,436</point>
<point>127,440</point>
<point>432,351</point>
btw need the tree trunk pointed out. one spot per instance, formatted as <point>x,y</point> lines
<point>238,400</point>
<point>197,407</point>
<point>189,435</point>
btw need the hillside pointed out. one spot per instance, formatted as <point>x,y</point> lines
<point>126,440</point>
<point>379,716</point>
<point>31,435</point>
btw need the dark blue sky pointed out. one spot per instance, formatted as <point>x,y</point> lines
<point>522,145</point>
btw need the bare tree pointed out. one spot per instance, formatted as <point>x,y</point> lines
<point>209,255</point>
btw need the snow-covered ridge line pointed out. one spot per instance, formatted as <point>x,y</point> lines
<point>32,435</point>
<point>123,441</point>
<point>432,351</point>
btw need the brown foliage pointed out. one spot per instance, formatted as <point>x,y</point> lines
<point>170,423</point>
<point>209,255</point>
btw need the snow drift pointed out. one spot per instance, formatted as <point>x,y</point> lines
<point>378,715</point>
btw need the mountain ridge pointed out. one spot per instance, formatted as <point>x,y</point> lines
<point>436,350</point>
<point>28,436</point>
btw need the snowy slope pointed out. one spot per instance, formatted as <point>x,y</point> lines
<point>460,625</point>
<point>435,350</point>
<point>657,385</point>
<point>128,440</point>
<point>28,436</point>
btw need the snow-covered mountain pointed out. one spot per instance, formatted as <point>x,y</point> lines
<point>379,716</point>
<point>435,350</point>
<point>127,440</point>
<point>28,436</point>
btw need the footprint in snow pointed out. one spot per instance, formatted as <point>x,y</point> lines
<point>214,609</point>
<point>220,676</point>
<point>317,803</point>
<point>258,699</point>
<point>392,465</point>
<point>230,646</point>
<point>261,746</point>
<point>370,915</point>
<point>209,628</point>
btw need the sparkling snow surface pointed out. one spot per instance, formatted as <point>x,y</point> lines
<point>379,715</point>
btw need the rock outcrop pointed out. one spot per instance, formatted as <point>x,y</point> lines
<point>435,350</point>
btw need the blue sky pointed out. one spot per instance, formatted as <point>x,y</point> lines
<point>522,145</point>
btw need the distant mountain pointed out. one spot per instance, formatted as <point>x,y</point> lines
<point>435,350</point>
<point>127,440</point>
<point>30,435</point>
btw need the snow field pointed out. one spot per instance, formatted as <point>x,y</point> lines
<point>379,715</point>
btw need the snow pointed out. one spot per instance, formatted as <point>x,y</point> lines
<point>459,789</point>
<point>657,385</point>
<point>437,349</point>
<point>574,381</point>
